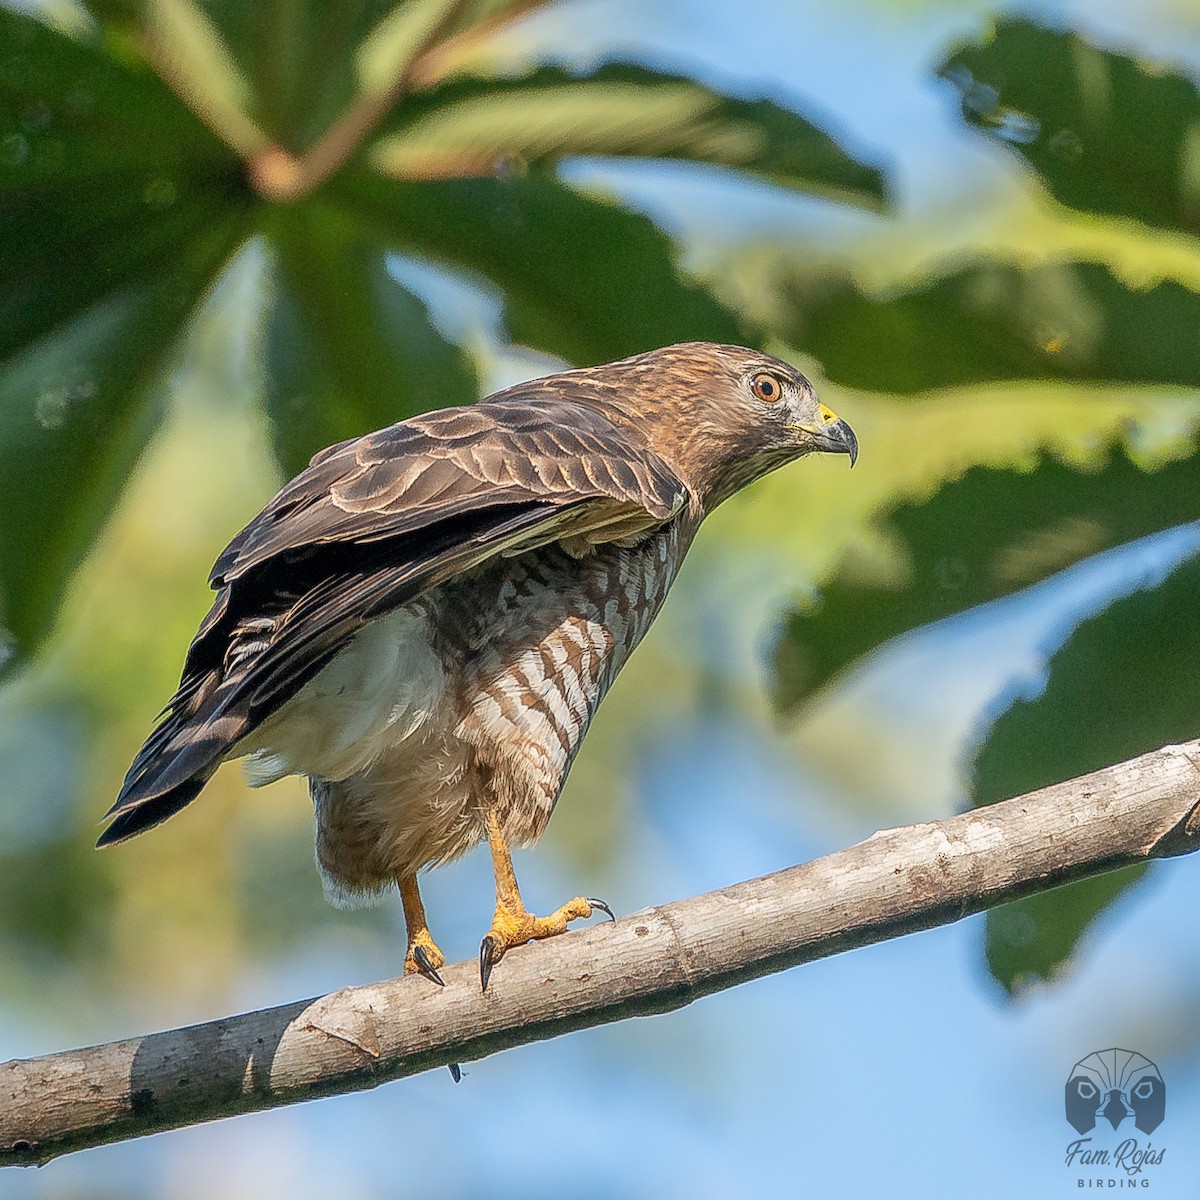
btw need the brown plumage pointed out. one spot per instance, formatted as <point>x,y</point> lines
<point>424,621</point>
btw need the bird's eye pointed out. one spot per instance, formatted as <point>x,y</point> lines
<point>766,387</point>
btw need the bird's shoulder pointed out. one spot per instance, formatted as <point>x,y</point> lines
<point>528,446</point>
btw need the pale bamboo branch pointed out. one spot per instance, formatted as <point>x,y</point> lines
<point>896,882</point>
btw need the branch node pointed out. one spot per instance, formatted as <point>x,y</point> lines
<point>276,175</point>
<point>344,1016</point>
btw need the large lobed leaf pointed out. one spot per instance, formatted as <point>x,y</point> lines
<point>1106,133</point>
<point>118,208</point>
<point>348,349</point>
<point>581,278</point>
<point>1071,321</point>
<point>119,205</point>
<point>469,126</point>
<point>1124,684</point>
<point>983,536</point>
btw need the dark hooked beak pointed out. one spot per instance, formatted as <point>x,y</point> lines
<point>832,435</point>
<point>837,438</point>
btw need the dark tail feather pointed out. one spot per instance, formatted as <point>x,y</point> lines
<point>148,813</point>
<point>178,759</point>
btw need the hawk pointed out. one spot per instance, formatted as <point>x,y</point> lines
<point>424,621</point>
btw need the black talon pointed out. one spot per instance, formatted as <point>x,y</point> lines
<point>455,1072</point>
<point>601,906</point>
<point>490,953</point>
<point>426,967</point>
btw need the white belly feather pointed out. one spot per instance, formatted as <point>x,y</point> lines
<point>386,684</point>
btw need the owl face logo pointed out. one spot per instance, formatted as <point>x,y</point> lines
<point>1113,1085</point>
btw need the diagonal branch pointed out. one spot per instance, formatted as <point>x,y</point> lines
<point>896,882</point>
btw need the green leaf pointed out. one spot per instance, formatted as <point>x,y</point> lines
<point>73,115</point>
<point>1034,938</point>
<point>582,279</point>
<point>1106,133</point>
<point>108,176</point>
<point>471,126</point>
<point>76,409</point>
<point>986,535</point>
<point>455,31</point>
<point>299,56</point>
<point>348,349</point>
<point>1123,685</point>
<point>1071,321</point>
<point>118,206</point>
<point>69,252</point>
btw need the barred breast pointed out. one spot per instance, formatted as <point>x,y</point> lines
<point>542,650</point>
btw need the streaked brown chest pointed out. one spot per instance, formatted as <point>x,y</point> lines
<point>537,640</point>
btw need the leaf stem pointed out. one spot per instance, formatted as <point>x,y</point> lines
<point>277,175</point>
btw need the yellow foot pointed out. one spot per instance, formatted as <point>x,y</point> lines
<point>513,926</point>
<point>424,957</point>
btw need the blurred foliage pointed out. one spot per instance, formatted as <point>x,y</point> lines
<point>1114,138</point>
<point>567,264</point>
<point>1123,685</point>
<point>978,538</point>
<point>1027,414</point>
<point>1067,321</point>
<point>118,208</point>
<point>617,109</point>
<point>343,338</point>
<point>139,160</point>
<point>1106,133</point>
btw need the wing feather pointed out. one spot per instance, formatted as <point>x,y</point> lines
<point>413,474</point>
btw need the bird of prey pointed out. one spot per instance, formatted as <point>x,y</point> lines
<point>424,621</point>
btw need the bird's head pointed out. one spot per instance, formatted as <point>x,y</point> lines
<point>722,416</point>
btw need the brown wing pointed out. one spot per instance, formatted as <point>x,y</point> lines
<point>370,525</point>
<point>512,450</point>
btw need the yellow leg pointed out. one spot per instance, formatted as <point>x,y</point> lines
<point>512,924</point>
<point>423,957</point>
